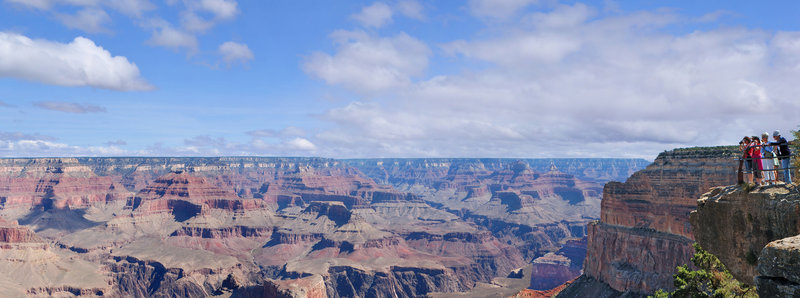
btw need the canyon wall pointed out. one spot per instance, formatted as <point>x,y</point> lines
<point>754,232</point>
<point>644,232</point>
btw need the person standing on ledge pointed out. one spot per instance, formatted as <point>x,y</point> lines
<point>767,157</point>
<point>755,153</point>
<point>783,155</point>
<point>748,160</point>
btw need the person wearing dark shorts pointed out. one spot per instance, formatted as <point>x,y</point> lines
<point>748,161</point>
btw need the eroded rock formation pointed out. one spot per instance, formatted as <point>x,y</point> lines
<point>644,231</point>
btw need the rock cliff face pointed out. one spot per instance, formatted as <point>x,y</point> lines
<point>779,272</point>
<point>755,234</point>
<point>644,231</point>
<point>302,227</point>
<point>551,270</point>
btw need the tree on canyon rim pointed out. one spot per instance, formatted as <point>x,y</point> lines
<point>711,279</point>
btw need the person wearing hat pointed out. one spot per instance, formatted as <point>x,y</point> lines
<point>783,155</point>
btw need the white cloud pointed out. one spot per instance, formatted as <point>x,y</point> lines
<point>367,63</point>
<point>498,9</point>
<point>411,9</point>
<point>78,63</point>
<point>563,16</point>
<point>233,52</point>
<point>300,144</point>
<point>376,15</point>
<point>577,82</point>
<point>131,7</point>
<point>222,9</point>
<point>90,20</point>
<point>192,22</point>
<point>193,17</point>
<point>24,145</point>
<point>523,48</point>
<point>167,36</point>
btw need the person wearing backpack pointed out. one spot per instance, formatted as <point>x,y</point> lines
<point>783,155</point>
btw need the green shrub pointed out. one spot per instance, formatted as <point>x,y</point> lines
<point>751,258</point>
<point>711,279</point>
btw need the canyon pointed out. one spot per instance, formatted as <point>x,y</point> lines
<point>294,227</point>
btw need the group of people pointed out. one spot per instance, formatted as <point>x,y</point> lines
<point>764,160</point>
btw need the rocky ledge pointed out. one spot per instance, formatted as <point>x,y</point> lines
<point>754,232</point>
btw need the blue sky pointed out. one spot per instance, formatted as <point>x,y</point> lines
<point>403,78</point>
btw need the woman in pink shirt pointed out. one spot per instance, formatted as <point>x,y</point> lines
<point>755,153</point>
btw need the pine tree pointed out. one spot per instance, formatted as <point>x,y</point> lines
<point>711,279</point>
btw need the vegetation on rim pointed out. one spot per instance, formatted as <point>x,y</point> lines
<point>711,279</point>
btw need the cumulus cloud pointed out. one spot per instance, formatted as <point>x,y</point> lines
<point>411,9</point>
<point>300,144</point>
<point>575,81</point>
<point>19,144</point>
<point>223,9</point>
<point>133,8</point>
<point>69,107</point>
<point>78,63</point>
<point>233,52</point>
<point>379,14</point>
<point>376,15</point>
<point>367,63</point>
<point>91,20</point>
<point>194,18</point>
<point>170,37</point>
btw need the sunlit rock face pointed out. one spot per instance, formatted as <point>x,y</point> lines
<point>554,269</point>
<point>287,227</point>
<point>644,232</point>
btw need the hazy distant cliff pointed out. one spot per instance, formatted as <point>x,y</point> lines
<point>421,170</point>
<point>644,230</point>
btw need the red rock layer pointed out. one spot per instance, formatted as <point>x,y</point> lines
<point>644,231</point>
<point>13,233</point>
<point>55,182</point>
<point>181,192</point>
